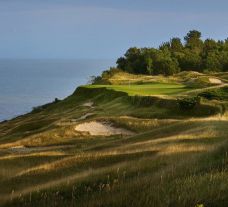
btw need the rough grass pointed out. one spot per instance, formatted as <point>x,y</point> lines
<point>176,158</point>
<point>180,166</point>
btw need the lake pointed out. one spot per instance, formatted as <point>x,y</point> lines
<point>25,84</point>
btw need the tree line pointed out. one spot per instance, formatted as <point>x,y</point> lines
<point>174,56</point>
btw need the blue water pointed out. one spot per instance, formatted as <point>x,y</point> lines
<point>28,83</point>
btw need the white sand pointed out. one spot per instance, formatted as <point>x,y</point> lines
<point>96,128</point>
<point>88,104</point>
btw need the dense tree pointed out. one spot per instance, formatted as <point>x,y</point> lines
<point>209,45</point>
<point>174,56</point>
<point>193,40</point>
<point>190,61</point>
<point>164,46</point>
<point>224,60</point>
<point>176,45</point>
<point>212,62</point>
<point>122,63</point>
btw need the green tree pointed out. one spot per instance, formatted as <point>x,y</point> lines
<point>176,45</point>
<point>121,63</point>
<point>224,60</point>
<point>212,62</point>
<point>165,45</point>
<point>164,64</point>
<point>210,45</point>
<point>190,61</point>
<point>173,56</point>
<point>193,40</point>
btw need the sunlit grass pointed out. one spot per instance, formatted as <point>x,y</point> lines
<point>175,158</point>
<point>146,89</point>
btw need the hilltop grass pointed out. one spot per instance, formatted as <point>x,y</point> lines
<point>146,89</point>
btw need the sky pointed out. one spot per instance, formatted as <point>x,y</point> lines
<point>102,28</point>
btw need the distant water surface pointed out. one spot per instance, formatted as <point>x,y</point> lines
<point>28,83</point>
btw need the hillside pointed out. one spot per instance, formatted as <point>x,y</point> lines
<point>129,140</point>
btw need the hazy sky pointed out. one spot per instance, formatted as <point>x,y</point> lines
<point>102,28</point>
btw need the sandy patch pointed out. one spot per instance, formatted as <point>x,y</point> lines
<point>96,128</point>
<point>215,81</point>
<point>88,104</point>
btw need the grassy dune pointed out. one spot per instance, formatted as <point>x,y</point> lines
<point>176,157</point>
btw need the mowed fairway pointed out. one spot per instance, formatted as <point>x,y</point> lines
<point>146,89</point>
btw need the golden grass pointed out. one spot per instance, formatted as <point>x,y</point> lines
<point>204,137</point>
<point>38,154</point>
<point>168,162</point>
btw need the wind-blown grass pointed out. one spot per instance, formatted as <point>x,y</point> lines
<point>176,158</point>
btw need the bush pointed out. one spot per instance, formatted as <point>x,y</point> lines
<point>95,80</point>
<point>105,76</point>
<point>37,109</point>
<point>143,100</point>
<point>188,103</point>
<point>210,95</point>
<point>219,94</point>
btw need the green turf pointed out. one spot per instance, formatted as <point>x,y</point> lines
<point>146,89</point>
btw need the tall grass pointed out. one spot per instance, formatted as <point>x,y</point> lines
<point>176,158</point>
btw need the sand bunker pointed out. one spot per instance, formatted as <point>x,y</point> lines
<point>88,104</point>
<point>96,128</point>
<point>215,81</point>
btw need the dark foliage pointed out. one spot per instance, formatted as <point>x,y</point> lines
<point>188,103</point>
<point>217,94</point>
<point>174,56</point>
<point>40,108</point>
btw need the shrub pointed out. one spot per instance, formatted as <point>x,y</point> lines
<point>210,95</point>
<point>143,100</point>
<point>219,94</point>
<point>188,103</point>
<point>37,109</point>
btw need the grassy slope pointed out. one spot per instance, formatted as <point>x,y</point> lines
<point>177,158</point>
